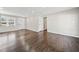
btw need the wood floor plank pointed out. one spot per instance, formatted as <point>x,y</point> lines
<point>30,41</point>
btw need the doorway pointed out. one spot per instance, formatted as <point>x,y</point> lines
<point>45,34</point>
<point>45,23</point>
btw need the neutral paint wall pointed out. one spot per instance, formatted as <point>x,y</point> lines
<point>40,24</point>
<point>35,23</point>
<point>20,23</point>
<point>32,23</point>
<point>65,22</point>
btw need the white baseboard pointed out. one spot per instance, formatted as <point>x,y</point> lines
<point>33,30</point>
<point>58,33</point>
<point>64,34</point>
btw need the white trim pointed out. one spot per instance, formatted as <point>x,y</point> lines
<point>64,34</point>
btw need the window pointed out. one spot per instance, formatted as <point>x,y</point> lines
<point>7,20</point>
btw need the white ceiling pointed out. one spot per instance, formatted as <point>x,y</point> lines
<point>35,11</point>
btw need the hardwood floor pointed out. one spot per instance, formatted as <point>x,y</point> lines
<point>30,41</point>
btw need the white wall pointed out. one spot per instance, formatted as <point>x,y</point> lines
<point>32,23</point>
<point>20,23</point>
<point>65,23</point>
<point>40,24</point>
<point>35,23</point>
